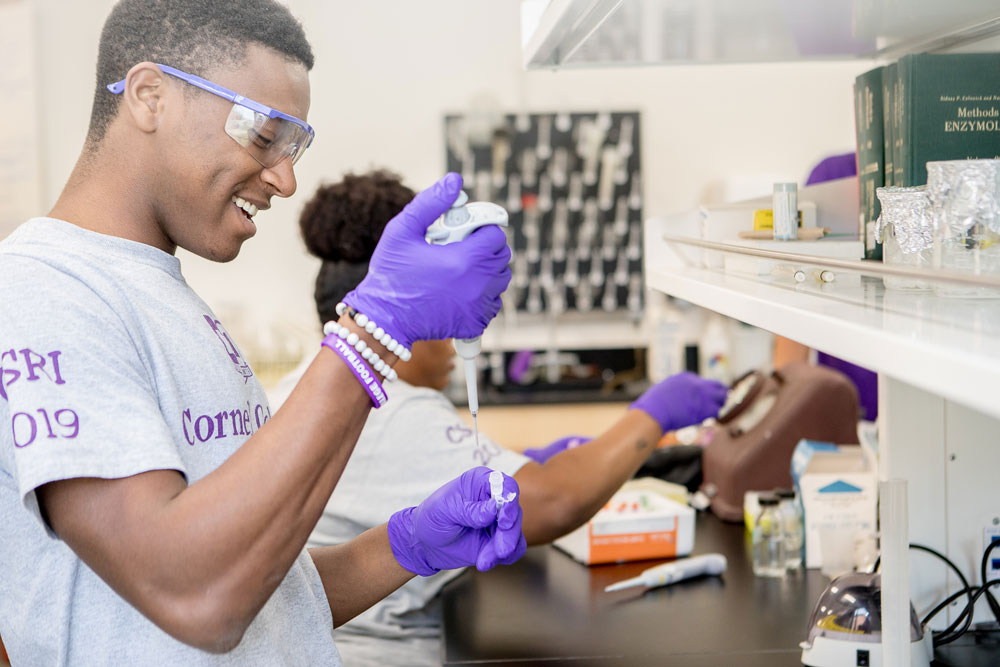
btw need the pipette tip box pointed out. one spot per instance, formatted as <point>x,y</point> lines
<point>636,524</point>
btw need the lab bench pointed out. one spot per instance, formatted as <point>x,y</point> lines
<point>547,609</point>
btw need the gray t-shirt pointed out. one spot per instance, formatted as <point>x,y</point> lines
<point>110,365</point>
<point>408,448</point>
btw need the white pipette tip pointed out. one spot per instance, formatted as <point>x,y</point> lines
<point>628,583</point>
<point>471,385</point>
<point>468,349</point>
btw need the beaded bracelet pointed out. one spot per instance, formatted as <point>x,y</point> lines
<point>367,379</point>
<point>381,335</point>
<point>332,328</point>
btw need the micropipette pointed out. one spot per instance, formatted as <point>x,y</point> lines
<point>669,573</point>
<point>463,218</point>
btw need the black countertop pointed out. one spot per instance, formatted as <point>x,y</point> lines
<point>548,609</point>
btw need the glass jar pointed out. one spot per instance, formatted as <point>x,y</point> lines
<point>768,539</point>
<point>906,231</point>
<point>791,523</point>
<point>965,203</point>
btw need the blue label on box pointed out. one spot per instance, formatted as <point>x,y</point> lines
<point>840,486</point>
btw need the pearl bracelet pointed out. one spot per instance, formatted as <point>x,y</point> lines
<point>368,354</point>
<point>381,335</point>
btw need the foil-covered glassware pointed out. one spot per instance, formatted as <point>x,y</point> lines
<point>965,203</point>
<point>906,230</point>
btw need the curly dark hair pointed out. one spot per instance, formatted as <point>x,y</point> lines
<point>342,223</point>
<point>191,35</point>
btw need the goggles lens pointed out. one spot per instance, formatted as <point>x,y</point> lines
<point>268,140</point>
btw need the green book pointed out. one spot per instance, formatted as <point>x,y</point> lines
<point>888,121</point>
<point>897,119</point>
<point>949,110</point>
<point>871,154</point>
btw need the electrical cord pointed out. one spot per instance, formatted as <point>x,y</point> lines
<point>965,585</point>
<point>961,577</point>
<point>951,633</point>
<point>967,612</point>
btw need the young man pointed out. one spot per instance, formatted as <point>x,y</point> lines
<point>153,511</point>
<point>420,441</point>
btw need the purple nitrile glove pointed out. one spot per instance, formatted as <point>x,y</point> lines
<point>682,400</point>
<point>543,454</point>
<point>418,291</point>
<point>459,525</point>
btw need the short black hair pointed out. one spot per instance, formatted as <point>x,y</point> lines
<point>342,223</point>
<point>191,35</point>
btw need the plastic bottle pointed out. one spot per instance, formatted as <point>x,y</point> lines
<point>786,211</point>
<point>791,522</point>
<point>768,539</point>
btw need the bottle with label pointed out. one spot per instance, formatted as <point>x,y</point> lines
<point>769,539</point>
<point>785,206</point>
<point>791,522</point>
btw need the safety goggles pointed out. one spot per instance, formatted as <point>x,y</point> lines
<point>267,134</point>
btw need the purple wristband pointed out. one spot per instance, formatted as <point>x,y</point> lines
<point>360,369</point>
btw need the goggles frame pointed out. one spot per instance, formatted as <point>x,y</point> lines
<point>118,87</point>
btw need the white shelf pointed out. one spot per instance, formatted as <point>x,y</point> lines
<point>947,346</point>
<point>582,33</point>
<point>570,331</point>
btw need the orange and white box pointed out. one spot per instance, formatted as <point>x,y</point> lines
<point>634,525</point>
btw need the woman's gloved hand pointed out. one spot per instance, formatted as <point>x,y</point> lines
<point>418,291</point>
<point>543,454</point>
<point>459,525</point>
<point>682,400</point>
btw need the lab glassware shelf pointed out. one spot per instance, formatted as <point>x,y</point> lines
<point>581,33</point>
<point>938,360</point>
<point>946,346</point>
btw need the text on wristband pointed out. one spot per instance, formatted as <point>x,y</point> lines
<point>361,368</point>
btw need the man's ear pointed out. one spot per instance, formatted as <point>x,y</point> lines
<point>145,95</point>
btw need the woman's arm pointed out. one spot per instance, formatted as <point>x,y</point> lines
<point>570,487</point>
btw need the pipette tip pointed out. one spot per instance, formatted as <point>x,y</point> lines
<point>628,583</point>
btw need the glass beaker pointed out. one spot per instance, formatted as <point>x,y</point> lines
<point>906,231</point>
<point>965,204</point>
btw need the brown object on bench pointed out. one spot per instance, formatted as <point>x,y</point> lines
<point>751,449</point>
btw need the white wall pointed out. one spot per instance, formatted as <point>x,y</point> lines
<point>20,171</point>
<point>388,70</point>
